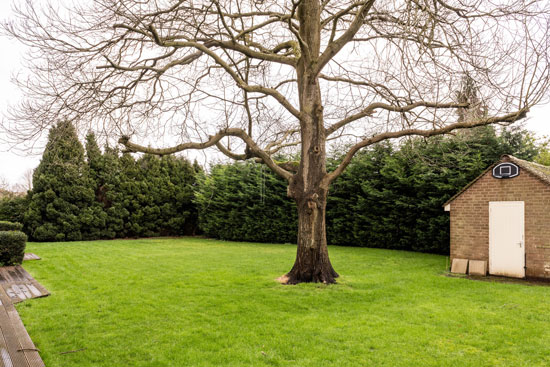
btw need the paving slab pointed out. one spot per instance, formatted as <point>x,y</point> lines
<point>477,267</point>
<point>459,266</point>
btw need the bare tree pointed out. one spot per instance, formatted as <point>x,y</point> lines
<point>4,185</point>
<point>25,182</point>
<point>254,77</point>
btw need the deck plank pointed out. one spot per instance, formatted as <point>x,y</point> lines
<point>16,346</point>
<point>5,359</point>
<point>5,275</point>
<point>22,273</point>
<point>18,292</point>
<point>35,292</point>
<point>14,275</point>
<point>10,337</point>
<point>24,288</point>
<point>27,346</point>
<point>43,291</point>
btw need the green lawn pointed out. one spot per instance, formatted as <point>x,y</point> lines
<point>196,302</point>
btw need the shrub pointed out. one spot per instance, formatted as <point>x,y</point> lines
<point>12,247</point>
<point>10,226</point>
<point>13,208</point>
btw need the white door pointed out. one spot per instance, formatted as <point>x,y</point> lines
<point>506,238</point>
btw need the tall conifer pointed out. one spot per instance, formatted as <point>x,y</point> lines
<point>61,194</point>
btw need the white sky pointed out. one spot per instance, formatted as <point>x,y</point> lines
<point>13,165</point>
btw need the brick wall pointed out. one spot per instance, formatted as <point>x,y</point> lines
<point>470,219</point>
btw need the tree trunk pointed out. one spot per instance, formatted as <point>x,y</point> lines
<point>309,187</point>
<point>312,262</point>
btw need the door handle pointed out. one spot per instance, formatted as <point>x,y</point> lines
<point>520,243</point>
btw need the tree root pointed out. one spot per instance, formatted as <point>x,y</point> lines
<point>292,278</point>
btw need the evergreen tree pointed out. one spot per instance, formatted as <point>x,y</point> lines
<point>95,218</point>
<point>134,195</point>
<point>245,202</point>
<point>360,200</point>
<point>107,195</point>
<point>521,143</point>
<point>61,192</point>
<point>398,204</point>
<point>179,214</point>
<point>110,194</point>
<point>148,197</point>
<point>543,156</point>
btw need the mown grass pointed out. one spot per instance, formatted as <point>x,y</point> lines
<point>196,302</point>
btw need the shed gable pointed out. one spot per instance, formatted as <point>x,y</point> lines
<point>538,171</point>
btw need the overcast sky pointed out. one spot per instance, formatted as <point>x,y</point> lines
<point>13,165</point>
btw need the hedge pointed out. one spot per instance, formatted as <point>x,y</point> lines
<point>12,208</point>
<point>86,194</point>
<point>12,247</point>
<point>10,226</point>
<point>245,202</point>
<point>390,196</point>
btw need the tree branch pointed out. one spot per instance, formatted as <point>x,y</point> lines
<point>240,82</point>
<point>212,140</point>
<point>208,42</point>
<point>509,118</point>
<point>334,47</point>
<point>369,110</point>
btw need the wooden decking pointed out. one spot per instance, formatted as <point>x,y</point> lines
<point>16,347</point>
<point>20,285</point>
<point>30,256</point>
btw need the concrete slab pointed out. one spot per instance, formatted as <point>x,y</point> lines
<point>477,267</point>
<point>459,266</point>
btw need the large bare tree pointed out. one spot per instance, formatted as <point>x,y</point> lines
<point>254,77</point>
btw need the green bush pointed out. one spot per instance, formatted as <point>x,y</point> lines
<point>12,247</point>
<point>13,208</point>
<point>10,226</point>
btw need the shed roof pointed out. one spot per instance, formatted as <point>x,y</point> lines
<point>538,170</point>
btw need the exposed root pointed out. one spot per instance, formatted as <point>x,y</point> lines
<point>283,279</point>
<point>293,278</point>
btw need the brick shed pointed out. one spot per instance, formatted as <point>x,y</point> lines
<point>502,220</point>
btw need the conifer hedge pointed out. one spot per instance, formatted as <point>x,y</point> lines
<point>245,202</point>
<point>13,208</point>
<point>12,247</point>
<point>83,193</point>
<point>389,197</point>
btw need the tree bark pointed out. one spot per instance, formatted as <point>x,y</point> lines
<point>309,189</point>
<point>312,262</point>
<point>309,186</point>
